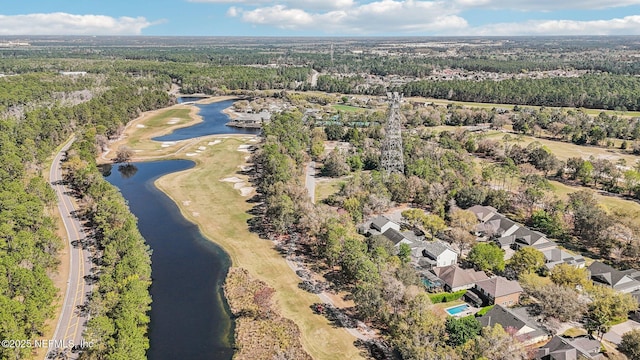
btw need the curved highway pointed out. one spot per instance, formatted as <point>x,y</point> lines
<point>72,320</point>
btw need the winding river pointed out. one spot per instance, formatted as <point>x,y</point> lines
<point>190,318</point>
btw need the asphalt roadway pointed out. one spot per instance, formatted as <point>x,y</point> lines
<point>67,338</point>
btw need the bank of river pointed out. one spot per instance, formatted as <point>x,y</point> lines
<point>190,318</point>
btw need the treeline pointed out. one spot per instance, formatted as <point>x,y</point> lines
<point>28,243</point>
<point>118,306</point>
<point>601,91</point>
<point>120,302</point>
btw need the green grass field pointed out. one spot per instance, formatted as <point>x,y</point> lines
<point>347,108</point>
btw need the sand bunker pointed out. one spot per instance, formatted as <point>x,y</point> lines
<point>195,214</point>
<point>245,191</point>
<point>214,142</point>
<point>186,202</point>
<point>253,140</point>
<point>244,148</point>
<point>168,143</point>
<point>191,154</point>
<point>232,179</point>
<point>239,185</point>
<point>202,148</point>
<point>140,126</point>
<point>246,167</point>
<point>173,121</point>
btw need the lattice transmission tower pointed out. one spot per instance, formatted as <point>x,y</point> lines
<point>392,157</point>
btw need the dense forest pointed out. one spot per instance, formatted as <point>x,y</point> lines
<point>28,251</point>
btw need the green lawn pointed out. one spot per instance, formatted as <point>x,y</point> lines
<point>610,202</point>
<point>347,108</point>
<point>326,187</point>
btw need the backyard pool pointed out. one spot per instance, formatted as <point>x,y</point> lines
<point>453,311</point>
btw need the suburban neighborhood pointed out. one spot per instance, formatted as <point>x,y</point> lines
<point>495,299</point>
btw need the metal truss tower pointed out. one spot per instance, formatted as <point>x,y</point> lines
<point>392,157</point>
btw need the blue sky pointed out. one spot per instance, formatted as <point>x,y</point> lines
<point>320,17</point>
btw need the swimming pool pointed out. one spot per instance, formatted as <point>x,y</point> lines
<point>453,311</point>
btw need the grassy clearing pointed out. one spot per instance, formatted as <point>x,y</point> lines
<point>326,187</point>
<point>221,214</point>
<point>347,108</point>
<point>610,202</point>
<point>510,106</point>
<point>574,332</point>
<point>564,150</point>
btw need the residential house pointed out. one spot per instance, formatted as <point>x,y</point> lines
<point>382,224</point>
<point>508,234</point>
<point>558,256</point>
<point>483,213</point>
<point>498,290</point>
<point>524,328</point>
<point>440,252</point>
<point>604,274</point>
<point>456,278</point>
<point>579,348</point>
<point>396,237</point>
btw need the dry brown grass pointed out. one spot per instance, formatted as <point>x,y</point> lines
<point>260,333</point>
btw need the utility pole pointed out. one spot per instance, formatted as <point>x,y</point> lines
<point>392,156</point>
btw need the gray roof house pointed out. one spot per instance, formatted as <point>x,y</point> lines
<point>456,278</point>
<point>579,348</point>
<point>396,237</point>
<point>483,213</point>
<point>382,224</point>
<point>557,256</point>
<point>525,329</point>
<point>498,290</point>
<point>604,274</point>
<point>437,253</point>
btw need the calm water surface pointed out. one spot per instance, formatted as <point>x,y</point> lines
<point>190,318</point>
<point>214,123</point>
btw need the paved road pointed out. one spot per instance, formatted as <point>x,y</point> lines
<point>310,180</point>
<point>71,322</point>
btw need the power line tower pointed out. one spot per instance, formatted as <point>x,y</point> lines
<point>392,157</point>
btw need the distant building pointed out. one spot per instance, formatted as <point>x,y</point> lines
<point>73,73</point>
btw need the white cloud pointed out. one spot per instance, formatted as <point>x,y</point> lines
<point>545,5</point>
<point>306,4</point>
<point>385,16</point>
<point>69,24</point>
<point>629,25</point>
